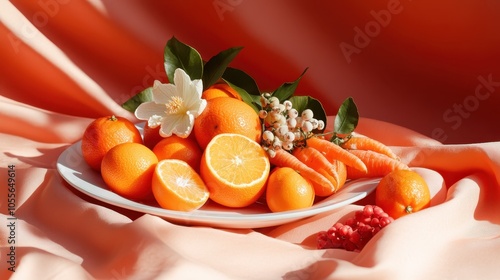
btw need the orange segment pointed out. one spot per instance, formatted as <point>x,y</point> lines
<point>235,169</point>
<point>177,186</point>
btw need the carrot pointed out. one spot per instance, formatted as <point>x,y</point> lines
<point>367,143</point>
<point>334,152</point>
<point>317,161</point>
<point>319,182</point>
<point>340,167</point>
<point>378,165</point>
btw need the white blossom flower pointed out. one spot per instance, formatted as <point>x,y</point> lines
<point>174,106</point>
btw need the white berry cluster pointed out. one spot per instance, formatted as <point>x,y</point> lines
<point>283,126</point>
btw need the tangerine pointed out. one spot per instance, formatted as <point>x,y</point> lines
<point>226,115</point>
<point>177,186</point>
<point>402,192</point>
<point>127,169</point>
<point>104,133</point>
<point>175,147</point>
<point>220,90</point>
<point>235,169</point>
<point>288,190</point>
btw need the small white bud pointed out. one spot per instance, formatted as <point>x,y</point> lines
<point>307,114</point>
<point>292,123</point>
<point>321,125</point>
<point>314,122</point>
<point>281,120</point>
<point>271,153</point>
<point>268,136</point>
<point>282,130</point>
<point>287,146</point>
<point>289,136</point>
<point>263,101</point>
<point>276,143</point>
<point>274,101</point>
<point>293,113</point>
<point>307,126</point>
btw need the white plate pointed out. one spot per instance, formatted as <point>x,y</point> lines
<point>78,174</point>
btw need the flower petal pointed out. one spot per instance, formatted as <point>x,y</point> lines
<point>180,125</point>
<point>163,92</point>
<point>185,126</point>
<point>148,109</point>
<point>198,87</point>
<point>197,108</point>
<point>182,81</point>
<point>154,121</point>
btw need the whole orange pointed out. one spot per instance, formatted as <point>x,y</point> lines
<point>220,90</point>
<point>402,192</point>
<point>288,190</point>
<point>127,169</point>
<point>175,147</point>
<point>104,133</point>
<point>226,115</point>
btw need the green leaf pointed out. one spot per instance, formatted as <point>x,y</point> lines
<point>179,55</point>
<point>252,100</point>
<point>347,117</point>
<point>242,80</point>
<point>134,102</point>
<point>300,103</point>
<point>215,67</point>
<point>286,90</point>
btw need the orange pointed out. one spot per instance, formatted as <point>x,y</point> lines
<point>220,90</point>
<point>235,169</point>
<point>175,147</point>
<point>127,169</point>
<point>226,115</point>
<point>402,192</point>
<point>104,133</point>
<point>177,186</point>
<point>151,136</point>
<point>288,190</point>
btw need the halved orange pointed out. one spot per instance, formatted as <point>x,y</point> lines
<point>177,186</point>
<point>235,169</point>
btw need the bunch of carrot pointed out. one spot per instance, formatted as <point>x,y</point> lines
<point>328,165</point>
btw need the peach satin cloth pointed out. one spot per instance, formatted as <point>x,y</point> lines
<point>67,62</point>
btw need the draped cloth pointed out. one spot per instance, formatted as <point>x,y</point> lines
<point>65,63</point>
